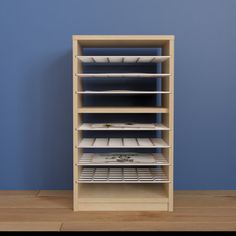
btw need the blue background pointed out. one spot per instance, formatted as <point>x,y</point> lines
<point>36,85</point>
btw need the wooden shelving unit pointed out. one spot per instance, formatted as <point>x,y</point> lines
<point>139,176</point>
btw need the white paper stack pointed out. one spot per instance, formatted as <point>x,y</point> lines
<point>124,158</point>
<point>123,125</point>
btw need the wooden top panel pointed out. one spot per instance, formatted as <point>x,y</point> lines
<point>122,40</point>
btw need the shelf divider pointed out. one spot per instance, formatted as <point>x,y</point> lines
<point>122,110</point>
<point>122,59</point>
<point>115,159</point>
<point>122,126</point>
<point>123,175</point>
<point>122,92</point>
<point>123,143</point>
<point>121,75</point>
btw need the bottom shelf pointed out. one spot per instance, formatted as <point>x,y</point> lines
<point>123,175</point>
<point>122,197</point>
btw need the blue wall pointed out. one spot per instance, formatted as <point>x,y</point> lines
<point>35,85</point>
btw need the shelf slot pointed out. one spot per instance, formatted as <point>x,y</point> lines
<point>122,126</point>
<point>123,59</point>
<point>122,143</point>
<point>115,142</point>
<point>122,159</point>
<point>127,142</point>
<point>123,175</point>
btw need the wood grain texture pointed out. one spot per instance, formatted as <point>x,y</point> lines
<point>52,210</point>
<point>33,202</point>
<point>148,226</point>
<point>30,226</point>
<point>186,215</point>
<point>19,192</point>
<point>54,193</point>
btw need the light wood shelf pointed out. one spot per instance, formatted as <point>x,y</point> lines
<point>121,75</point>
<point>122,59</point>
<point>122,126</point>
<point>123,143</point>
<point>122,110</point>
<point>108,175</point>
<point>122,175</point>
<point>145,159</point>
<point>122,92</point>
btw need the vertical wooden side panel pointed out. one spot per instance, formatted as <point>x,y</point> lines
<point>171,155</point>
<point>75,120</point>
<point>77,102</point>
<point>168,119</point>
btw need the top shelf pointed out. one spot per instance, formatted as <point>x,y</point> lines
<point>122,59</point>
<point>121,75</point>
